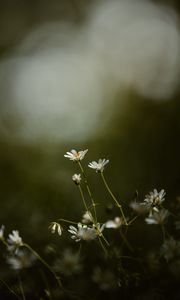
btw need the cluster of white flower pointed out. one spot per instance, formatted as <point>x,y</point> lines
<point>17,257</point>
<point>78,156</point>
<point>152,205</point>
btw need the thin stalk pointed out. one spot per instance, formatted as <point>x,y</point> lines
<point>46,283</point>
<point>82,196</point>
<point>8,287</point>
<point>163,232</point>
<point>44,263</point>
<point>104,249</point>
<point>103,237</point>
<point>113,197</point>
<point>130,222</point>
<point>67,221</point>
<point>21,288</point>
<point>126,242</point>
<point>88,190</point>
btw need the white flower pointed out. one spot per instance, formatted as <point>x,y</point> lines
<point>2,232</point>
<point>105,279</point>
<point>139,208</point>
<point>154,200</point>
<point>14,238</point>
<point>76,155</point>
<point>170,249</point>
<point>83,232</point>
<point>21,260</point>
<point>76,178</point>
<point>69,263</point>
<point>177,225</point>
<point>98,166</point>
<point>99,228</point>
<point>54,226</point>
<point>87,217</point>
<point>157,217</point>
<point>117,222</point>
<point>14,241</point>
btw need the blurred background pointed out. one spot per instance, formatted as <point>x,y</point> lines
<point>79,74</point>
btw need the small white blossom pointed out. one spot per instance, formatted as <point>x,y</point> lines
<point>139,208</point>
<point>98,166</point>
<point>87,218</point>
<point>82,232</point>
<point>76,155</point>
<point>69,263</point>
<point>105,279</point>
<point>76,178</point>
<point>2,232</point>
<point>157,217</point>
<point>99,228</point>
<point>22,259</point>
<point>54,226</point>
<point>177,225</point>
<point>170,249</point>
<point>14,241</point>
<point>117,222</point>
<point>154,200</point>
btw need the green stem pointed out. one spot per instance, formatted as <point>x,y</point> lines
<point>21,288</point>
<point>103,237</point>
<point>46,283</point>
<point>82,196</point>
<point>8,287</point>
<point>163,232</point>
<point>113,197</point>
<point>44,263</point>
<point>130,222</point>
<point>104,249</point>
<point>67,221</point>
<point>88,190</point>
<point>125,241</point>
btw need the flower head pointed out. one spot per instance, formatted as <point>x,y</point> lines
<point>177,225</point>
<point>157,217</point>
<point>117,222</point>
<point>154,200</point>
<point>139,208</point>
<point>87,217</point>
<point>22,259</point>
<point>69,263</point>
<point>105,279</point>
<point>98,166</point>
<point>54,226</point>
<point>2,232</point>
<point>76,155</point>
<point>76,178</point>
<point>82,232</point>
<point>14,241</point>
<point>14,238</point>
<point>170,249</point>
